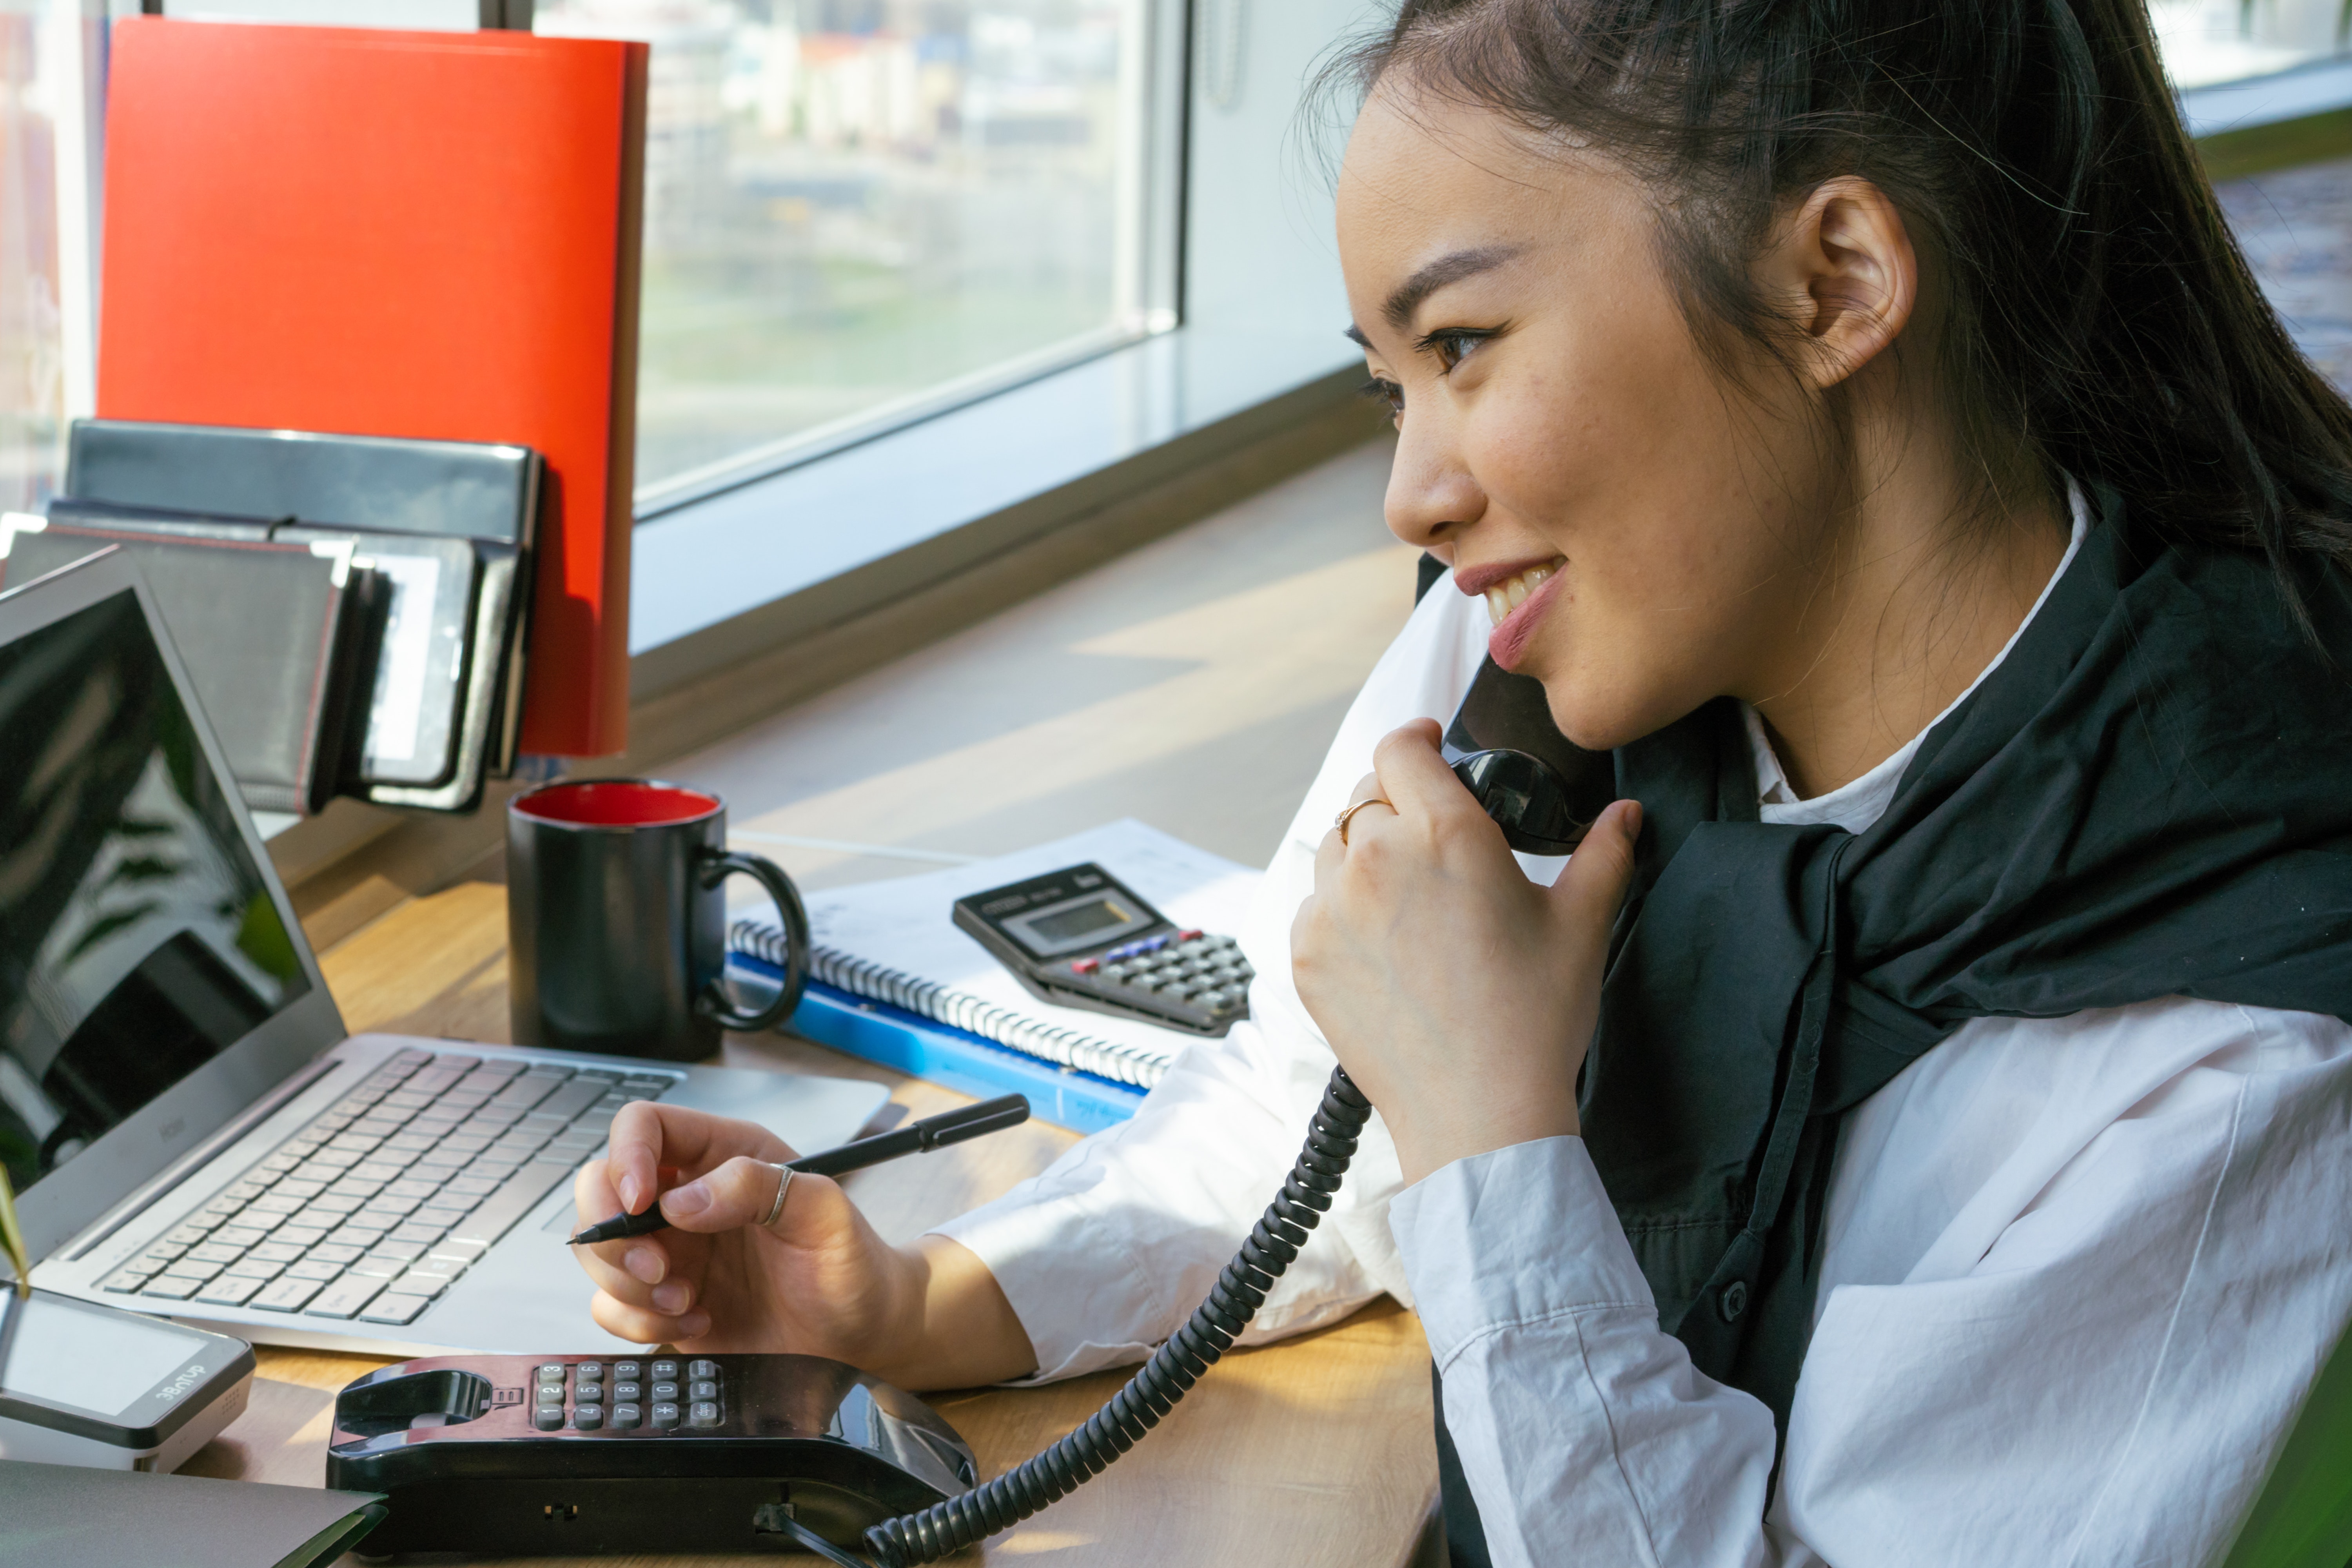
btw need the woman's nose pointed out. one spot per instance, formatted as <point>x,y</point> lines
<point>1431,494</point>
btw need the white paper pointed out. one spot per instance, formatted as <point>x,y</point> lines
<point>407,653</point>
<point>907,923</point>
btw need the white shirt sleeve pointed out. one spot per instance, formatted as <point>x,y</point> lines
<point>1104,1254</point>
<point>2078,1277</point>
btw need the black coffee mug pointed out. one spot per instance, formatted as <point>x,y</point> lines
<point>616,920</point>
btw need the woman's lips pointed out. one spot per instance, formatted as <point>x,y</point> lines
<point>1508,641</point>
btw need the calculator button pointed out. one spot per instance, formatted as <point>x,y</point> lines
<point>626,1415</point>
<point>548,1418</point>
<point>702,1369</point>
<point>706,1389</point>
<point>703,1412</point>
<point>589,1371</point>
<point>550,1394</point>
<point>665,1370</point>
<point>588,1418</point>
<point>665,1391</point>
<point>627,1390</point>
<point>665,1416</point>
<point>551,1373</point>
<point>626,1369</point>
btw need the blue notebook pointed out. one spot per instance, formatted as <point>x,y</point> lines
<point>958,1058</point>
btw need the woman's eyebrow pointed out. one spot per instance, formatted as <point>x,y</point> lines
<point>1451,268</point>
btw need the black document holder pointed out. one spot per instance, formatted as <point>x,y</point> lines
<point>403,502</point>
<point>271,634</point>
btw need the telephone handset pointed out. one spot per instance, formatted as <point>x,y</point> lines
<point>1541,788</point>
<point>1543,792</point>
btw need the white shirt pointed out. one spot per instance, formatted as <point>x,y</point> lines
<point>2077,1275</point>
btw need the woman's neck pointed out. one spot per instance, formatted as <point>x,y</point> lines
<point>1919,599</point>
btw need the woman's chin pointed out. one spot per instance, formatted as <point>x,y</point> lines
<point>1599,722</point>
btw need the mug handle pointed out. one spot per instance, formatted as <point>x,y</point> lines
<point>716,867</point>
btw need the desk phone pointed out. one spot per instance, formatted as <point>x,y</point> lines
<point>1080,937</point>
<point>661,1453</point>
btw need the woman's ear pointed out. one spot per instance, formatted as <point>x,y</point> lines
<point>1844,264</point>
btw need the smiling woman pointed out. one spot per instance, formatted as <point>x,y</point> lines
<point>1891,1138</point>
<point>1857,419</point>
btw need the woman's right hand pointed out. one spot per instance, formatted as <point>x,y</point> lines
<point>819,1281</point>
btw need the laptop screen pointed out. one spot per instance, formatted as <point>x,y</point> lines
<point>138,938</point>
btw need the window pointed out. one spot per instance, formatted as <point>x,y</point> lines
<point>51,54</point>
<point>2207,42</point>
<point>857,210</point>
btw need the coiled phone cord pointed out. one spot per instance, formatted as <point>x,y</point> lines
<point>950,1526</point>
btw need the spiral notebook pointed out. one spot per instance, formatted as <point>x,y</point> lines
<point>895,942</point>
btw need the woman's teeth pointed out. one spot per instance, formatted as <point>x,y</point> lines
<point>1505,598</point>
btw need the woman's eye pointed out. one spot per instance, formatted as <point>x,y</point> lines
<point>1452,346</point>
<point>1381,389</point>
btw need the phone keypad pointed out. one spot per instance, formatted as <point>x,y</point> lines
<point>592,1396</point>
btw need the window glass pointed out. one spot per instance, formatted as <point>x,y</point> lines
<point>2210,41</point>
<point>48,54</point>
<point>855,206</point>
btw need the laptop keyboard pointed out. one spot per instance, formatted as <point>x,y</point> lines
<point>372,1210</point>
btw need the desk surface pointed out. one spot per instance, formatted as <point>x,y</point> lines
<point>1313,1451</point>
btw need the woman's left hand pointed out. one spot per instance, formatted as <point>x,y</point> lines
<point>1459,995</point>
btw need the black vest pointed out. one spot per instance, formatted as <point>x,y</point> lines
<point>2150,796</point>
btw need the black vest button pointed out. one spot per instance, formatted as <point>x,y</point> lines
<point>1733,1300</point>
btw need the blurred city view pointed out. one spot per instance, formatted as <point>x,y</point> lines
<point>853,203</point>
<point>2208,41</point>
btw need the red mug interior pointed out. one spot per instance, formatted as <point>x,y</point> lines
<point>616,802</point>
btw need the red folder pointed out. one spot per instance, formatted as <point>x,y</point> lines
<point>398,234</point>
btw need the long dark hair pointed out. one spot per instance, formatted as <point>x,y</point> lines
<point>2101,317</point>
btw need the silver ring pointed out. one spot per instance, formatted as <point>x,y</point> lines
<point>783,1187</point>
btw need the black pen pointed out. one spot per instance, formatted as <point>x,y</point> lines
<point>915,1138</point>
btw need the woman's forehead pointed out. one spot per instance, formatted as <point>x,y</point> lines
<point>1426,178</point>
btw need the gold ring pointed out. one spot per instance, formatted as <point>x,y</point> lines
<point>1340,822</point>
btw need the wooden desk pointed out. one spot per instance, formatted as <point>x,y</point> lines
<point>1315,1451</point>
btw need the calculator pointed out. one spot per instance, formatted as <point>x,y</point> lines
<point>497,1455</point>
<point>1078,937</point>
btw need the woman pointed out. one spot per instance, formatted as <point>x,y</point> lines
<point>1856,417</point>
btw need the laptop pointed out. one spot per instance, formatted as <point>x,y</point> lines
<point>190,1129</point>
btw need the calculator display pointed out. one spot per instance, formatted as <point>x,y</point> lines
<point>1084,920</point>
<point>1068,919</point>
